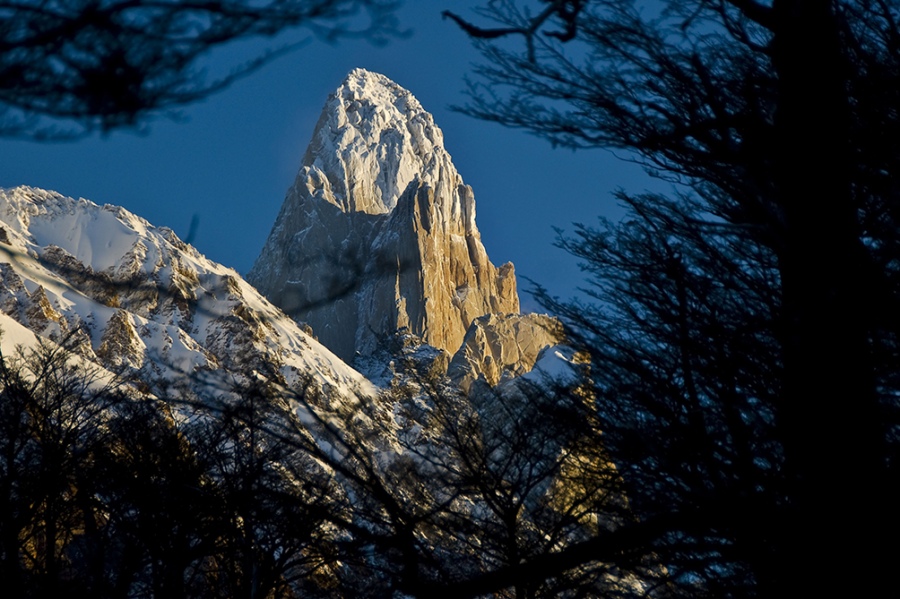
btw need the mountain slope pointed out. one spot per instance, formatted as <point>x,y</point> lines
<point>137,300</point>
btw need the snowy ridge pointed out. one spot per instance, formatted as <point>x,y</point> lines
<point>137,300</point>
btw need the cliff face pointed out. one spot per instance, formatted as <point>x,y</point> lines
<point>378,231</point>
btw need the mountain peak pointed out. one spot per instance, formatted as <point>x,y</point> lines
<point>380,90</point>
<point>372,140</point>
<point>377,233</point>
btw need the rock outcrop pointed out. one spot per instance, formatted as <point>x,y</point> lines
<point>378,232</point>
<point>498,347</point>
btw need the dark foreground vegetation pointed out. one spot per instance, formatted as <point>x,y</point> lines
<point>269,492</point>
<point>744,334</point>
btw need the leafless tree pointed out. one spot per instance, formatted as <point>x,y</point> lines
<point>71,67</point>
<point>757,305</point>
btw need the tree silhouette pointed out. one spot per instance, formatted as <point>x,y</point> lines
<point>270,489</point>
<point>110,493</point>
<point>52,411</point>
<point>445,489</point>
<point>274,537</point>
<point>71,67</point>
<point>746,330</point>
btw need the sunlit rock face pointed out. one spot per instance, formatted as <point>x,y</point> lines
<point>378,231</point>
<point>499,347</point>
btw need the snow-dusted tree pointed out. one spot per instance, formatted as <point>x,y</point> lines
<point>747,339</point>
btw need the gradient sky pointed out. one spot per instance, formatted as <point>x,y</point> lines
<point>230,159</point>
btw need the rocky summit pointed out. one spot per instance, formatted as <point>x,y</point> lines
<point>498,347</point>
<point>377,234</point>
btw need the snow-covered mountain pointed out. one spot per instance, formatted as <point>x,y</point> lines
<point>375,245</point>
<point>138,301</point>
<point>377,233</point>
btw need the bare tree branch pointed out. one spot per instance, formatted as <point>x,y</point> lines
<point>69,68</point>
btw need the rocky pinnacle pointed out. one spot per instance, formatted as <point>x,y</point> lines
<point>377,233</point>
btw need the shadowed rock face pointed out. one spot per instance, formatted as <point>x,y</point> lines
<point>378,231</point>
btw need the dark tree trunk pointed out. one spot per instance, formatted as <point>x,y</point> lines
<point>828,410</point>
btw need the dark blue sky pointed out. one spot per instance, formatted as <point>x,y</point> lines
<point>230,159</point>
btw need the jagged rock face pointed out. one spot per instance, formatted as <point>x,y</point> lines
<point>135,299</point>
<point>120,345</point>
<point>378,231</point>
<point>501,346</point>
